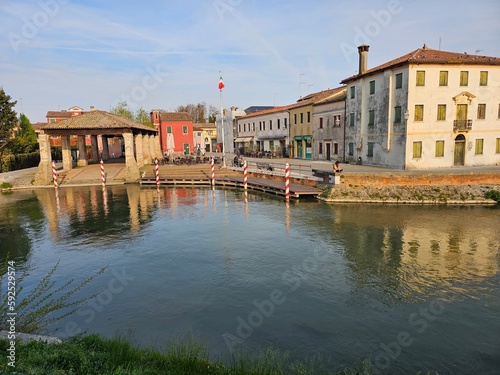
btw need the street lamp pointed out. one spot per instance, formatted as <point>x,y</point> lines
<point>406,116</point>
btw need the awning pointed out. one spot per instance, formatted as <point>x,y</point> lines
<point>243,139</point>
<point>298,137</point>
<point>276,137</point>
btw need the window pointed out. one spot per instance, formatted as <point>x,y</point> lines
<point>278,124</point>
<point>498,112</point>
<point>441,115</point>
<point>443,78</point>
<point>483,78</point>
<point>397,114</point>
<point>417,150</point>
<point>420,78</point>
<point>199,134</point>
<point>464,78</point>
<point>371,117</point>
<point>308,116</point>
<point>270,124</point>
<point>439,149</point>
<point>497,149</point>
<point>295,118</point>
<point>239,128</point>
<point>481,111</point>
<point>370,150</point>
<point>263,125</point>
<point>351,119</point>
<point>52,120</point>
<point>245,127</point>
<point>184,129</point>
<point>169,129</point>
<point>301,118</point>
<point>479,146</point>
<point>284,122</point>
<point>372,87</point>
<point>350,150</point>
<point>399,80</point>
<point>260,125</point>
<point>320,147</point>
<point>353,92</point>
<point>419,112</point>
<point>321,122</point>
<point>253,126</point>
<point>335,148</point>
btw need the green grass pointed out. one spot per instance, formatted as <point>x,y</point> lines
<point>89,355</point>
<point>5,185</point>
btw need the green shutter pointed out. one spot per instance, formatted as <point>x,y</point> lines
<point>419,112</point>
<point>443,78</point>
<point>441,115</point>
<point>417,150</point>
<point>439,149</point>
<point>420,78</point>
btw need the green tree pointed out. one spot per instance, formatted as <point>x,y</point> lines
<point>122,109</point>
<point>25,140</point>
<point>143,117</point>
<point>8,118</point>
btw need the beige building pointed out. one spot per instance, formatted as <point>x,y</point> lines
<point>426,109</point>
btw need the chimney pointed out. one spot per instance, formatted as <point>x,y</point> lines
<point>92,108</point>
<point>363,58</point>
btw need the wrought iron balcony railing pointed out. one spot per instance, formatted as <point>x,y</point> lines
<point>462,125</point>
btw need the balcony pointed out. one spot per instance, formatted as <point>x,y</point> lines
<point>462,125</point>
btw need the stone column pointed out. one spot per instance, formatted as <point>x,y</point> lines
<point>95,149</point>
<point>66,153</point>
<point>146,150</point>
<point>139,150</point>
<point>82,158</point>
<point>105,148</point>
<point>152,149</point>
<point>43,174</point>
<point>132,173</point>
<point>158,152</point>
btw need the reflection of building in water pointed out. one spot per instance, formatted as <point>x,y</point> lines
<point>451,250</point>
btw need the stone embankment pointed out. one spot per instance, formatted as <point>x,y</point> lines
<point>417,194</point>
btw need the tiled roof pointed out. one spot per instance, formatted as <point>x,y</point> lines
<point>175,116</point>
<point>269,111</point>
<point>59,114</point>
<point>427,55</point>
<point>96,120</point>
<point>335,95</point>
<point>203,125</point>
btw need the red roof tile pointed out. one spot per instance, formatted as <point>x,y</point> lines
<point>175,116</point>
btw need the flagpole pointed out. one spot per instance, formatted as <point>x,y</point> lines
<point>222,129</point>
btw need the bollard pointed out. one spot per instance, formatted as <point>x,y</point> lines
<point>245,175</point>
<point>157,173</point>
<point>54,174</point>
<point>103,175</point>
<point>213,173</point>
<point>287,181</point>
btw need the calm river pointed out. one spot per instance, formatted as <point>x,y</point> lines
<point>407,287</point>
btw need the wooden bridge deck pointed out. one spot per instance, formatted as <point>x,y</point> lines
<point>200,174</point>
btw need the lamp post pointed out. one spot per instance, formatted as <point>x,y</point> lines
<point>406,116</point>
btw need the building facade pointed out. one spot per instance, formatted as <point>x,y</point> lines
<point>205,137</point>
<point>426,109</point>
<point>328,126</point>
<point>176,131</point>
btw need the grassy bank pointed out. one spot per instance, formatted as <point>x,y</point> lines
<point>91,354</point>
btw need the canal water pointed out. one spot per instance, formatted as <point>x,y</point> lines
<point>406,287</point>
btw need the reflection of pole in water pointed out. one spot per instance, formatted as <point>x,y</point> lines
<point>58,206</point>
<point>246,204</point>
<point>287,217</point>
<point>214,204</point>
<point>105,201</point>
<point>93,202</point>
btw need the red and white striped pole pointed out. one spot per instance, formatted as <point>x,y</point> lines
<point>157,173</point>
<point>213,173</point>
<point>245,175</point>
<point>287,181</point>
<point>54,174</point>
<point>103,175</point>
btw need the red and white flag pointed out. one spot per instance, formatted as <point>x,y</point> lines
<point>221,83</point>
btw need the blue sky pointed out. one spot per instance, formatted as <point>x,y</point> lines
<point>161,54</point>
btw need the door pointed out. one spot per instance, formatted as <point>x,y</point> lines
<point>299,149</point>
<point>328,152</point>
<point>459,158</point>
<point>186,148</point>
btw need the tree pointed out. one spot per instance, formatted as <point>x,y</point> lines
<point>8,118</point>
<point>25,140</point>
<point>122,109</point>
<point>143,117</point>
<point>198,112</point>
<point>212,113</point>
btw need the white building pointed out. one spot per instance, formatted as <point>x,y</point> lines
<point>266,130</point>
<point>426,109</point>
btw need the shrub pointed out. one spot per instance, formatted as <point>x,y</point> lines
<point>493,194</point>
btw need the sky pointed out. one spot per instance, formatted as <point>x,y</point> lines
<point>55,54</point>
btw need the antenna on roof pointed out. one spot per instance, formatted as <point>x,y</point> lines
<point>478,50</point>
